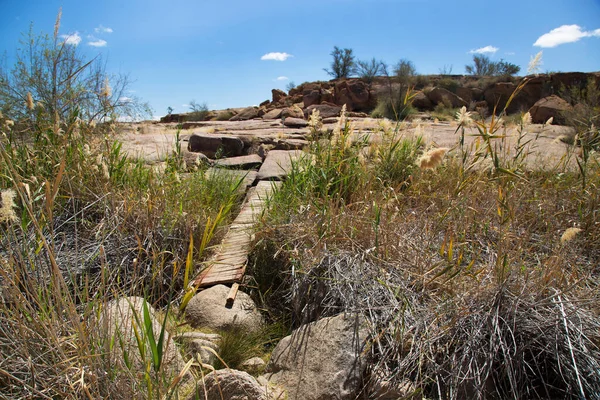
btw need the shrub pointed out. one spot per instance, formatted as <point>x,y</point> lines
<point>343,64</point>
<point>368,70</point>
<point>483,66</point>
<point>449,84</point>
<point>199,111</point>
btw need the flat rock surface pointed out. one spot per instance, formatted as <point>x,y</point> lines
<point>241,162</point>
<point>278,164</point>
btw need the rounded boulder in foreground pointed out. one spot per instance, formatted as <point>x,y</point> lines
<point>207,310</point>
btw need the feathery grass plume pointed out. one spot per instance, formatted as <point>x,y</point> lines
<point>30,104</point>
<point>463,117</point>
<point>341,123</point>
<point>526,119</point>
<point>7,214</point>
<point>432,159</point>
<point>550,121</point>
<point>314,121</point>
<point>534,64</point>
<point>8,124</point>
<point>569,235</point>
<point>106,89</point>
<point>57,23</point>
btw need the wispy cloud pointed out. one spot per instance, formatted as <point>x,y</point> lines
<point>72,38</point>
<point>282,78</point>
<point>484,50</point>
<point>125,99</point>
<point>276,56</point>
<point>564,34</point>
<point>509,53</point>
<point>103,29</point>
<point>97,43</point>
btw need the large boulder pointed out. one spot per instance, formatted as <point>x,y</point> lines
<point>278,95</point>
<point>325,110</point>
<point>497,97</point>
<point>229,384</point>
<point>321,360</point>
<point>117,321</point>
<point>207,310</point>
<point>273,114</point>
<point>246,114</point>
<point>213,145</point>
<point>295,122</point>
<point>292,112</point>
<point>551,106</point>
<point>354,94</point>
<point>422,102</point>
<point>439,95</point>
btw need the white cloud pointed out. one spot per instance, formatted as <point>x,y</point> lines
<point>73,38</point>
<point>564,34</point>
<point>276,56</point>
<point>103,29</point>
<point>486,49</point>
<point>98,43</point>
<point>125,99</point>
<point>282,78</point>
<point>510,53</point>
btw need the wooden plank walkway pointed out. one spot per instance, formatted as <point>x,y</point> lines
<point>228,264</point>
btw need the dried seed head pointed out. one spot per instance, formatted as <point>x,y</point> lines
<point>569,235</point>
<point>535,63</point>
<point>463,117</point>
<point>7,214</point>
<point>432,159</point>
<point>526,119</point>
<point>57,23</point>
<point>29,103</point>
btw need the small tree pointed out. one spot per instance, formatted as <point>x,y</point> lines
<point>343,64</point>
<point>483,66</point>
<point>52,83</point>
<point>199,111</point>
<point>291,85</point>
<point>368,70</point>
<point>405,71</point>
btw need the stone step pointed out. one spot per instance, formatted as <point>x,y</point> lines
<point>278,164</point>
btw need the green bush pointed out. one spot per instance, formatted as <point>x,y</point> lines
<point>449,84</point>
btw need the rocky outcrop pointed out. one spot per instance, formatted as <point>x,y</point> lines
<point>273,114</point>
<point>549,107</point>
<point>278,95</point>
<point>440,95</point>
<point>321,360</point>
<point>422,102</point>
<point>229,384</point>
<point>354,93</point>
<point>207,309</point>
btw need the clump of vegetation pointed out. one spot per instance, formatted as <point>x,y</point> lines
<point>199,112</point>
<point>483,66</point>
<point>477,272</point>
<point>80,224</point>
<point>396,103</point>
<point>369,70</point>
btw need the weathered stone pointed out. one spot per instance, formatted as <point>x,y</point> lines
<point>246,114</point>
<point>325,110</point>
<point>551,106</point>
<point>193,335</point>
<point>278,95</point>
<point>194,160</point>
<point>264,104</point>
<point>422,102</point>
<point>353,93</point>
<point>212,145</point>
<point>241,162</point>
<point>253,365</point>
<point>310,97</point>
<point>229,384</point>
<point>439,95</point>
<point>291,144</point>
<point>295,122</point>
<point>464,93</point>
<point>273,114</point>
<point>278,164</point>
<point>202,348</point>
<point>117,320</point>
<point>321,360</point>
<point>207,309</point>
<point>292,112</point>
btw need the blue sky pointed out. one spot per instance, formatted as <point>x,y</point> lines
<point>210,51</point>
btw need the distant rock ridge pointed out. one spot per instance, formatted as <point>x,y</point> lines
<point>360,97</point>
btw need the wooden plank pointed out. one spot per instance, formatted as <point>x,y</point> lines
<point>231,295</point>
